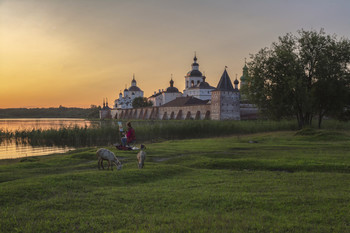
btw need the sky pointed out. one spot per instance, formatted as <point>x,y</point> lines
<point>75,53</point>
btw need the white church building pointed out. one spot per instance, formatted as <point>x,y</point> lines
<point>125,102</point>
<point>195,84</point>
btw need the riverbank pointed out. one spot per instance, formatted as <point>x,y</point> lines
<point>266,182</point>
<point>31,136</point>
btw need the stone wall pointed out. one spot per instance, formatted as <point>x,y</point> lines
<point>249,111</point>
<point>224,105</point>
<point>199,112</point>
<point>230,106</point>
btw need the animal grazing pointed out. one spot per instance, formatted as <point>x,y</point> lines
<point>141,156</point>
<point>104,154</point>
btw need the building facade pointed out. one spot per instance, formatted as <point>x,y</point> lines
<point>163,97</point>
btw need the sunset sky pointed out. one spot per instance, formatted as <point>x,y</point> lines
<point>76,52</point>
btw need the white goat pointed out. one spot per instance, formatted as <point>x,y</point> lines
<point>104,154</point>
<point>141,157</point>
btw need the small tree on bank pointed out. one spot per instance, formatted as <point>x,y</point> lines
<point>301,76</point>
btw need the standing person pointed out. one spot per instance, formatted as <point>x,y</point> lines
<point>130,135</point>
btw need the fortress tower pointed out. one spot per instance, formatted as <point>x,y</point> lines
<point>225,103</point>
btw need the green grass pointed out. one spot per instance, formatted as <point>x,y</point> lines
<point>286,182</point>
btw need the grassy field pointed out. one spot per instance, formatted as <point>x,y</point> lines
<point>283,182</point>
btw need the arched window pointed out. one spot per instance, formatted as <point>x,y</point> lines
<point>207,115</point>
<point>198,115</point>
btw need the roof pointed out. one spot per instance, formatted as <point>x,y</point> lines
<point>225,83</point>
<point>205,85</point>
<point>134,88</point>
<point>172,89</point>
<point>155,95</point>
<point>202,85</point>
<point>194,73</point>
<point>185,101</point>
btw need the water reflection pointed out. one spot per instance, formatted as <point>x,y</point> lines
<point>33,146</point>
<point>11,149</point>
<point>14,124</point>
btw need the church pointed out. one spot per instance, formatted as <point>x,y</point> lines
<point>199,100</point>
<point>125,102</point>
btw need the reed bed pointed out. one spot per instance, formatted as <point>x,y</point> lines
<point>65,136</point>
<point>107,132</point>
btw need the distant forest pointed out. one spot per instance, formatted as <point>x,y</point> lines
<point>60,112</point>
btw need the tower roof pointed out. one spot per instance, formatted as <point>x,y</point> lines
<point>195,61</point>
<point>245,73</point>
<point>194,72</point>
<point>134,88</point>
<point>172,88</point>
<point>225,83</point>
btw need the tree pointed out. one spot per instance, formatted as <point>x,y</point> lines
<point>140,102</point>
<point>301,76</point>
<point>94,111</point>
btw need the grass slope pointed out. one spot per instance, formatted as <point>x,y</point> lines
<point>285,182</point>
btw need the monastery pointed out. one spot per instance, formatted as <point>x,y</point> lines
<point>199,100</point>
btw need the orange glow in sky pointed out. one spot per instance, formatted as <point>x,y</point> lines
<point>75,53</point>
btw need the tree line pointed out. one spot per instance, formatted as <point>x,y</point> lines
<point>306,76</point>
<point>60,112</point>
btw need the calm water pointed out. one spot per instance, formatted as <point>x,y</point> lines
<point>11,149</point>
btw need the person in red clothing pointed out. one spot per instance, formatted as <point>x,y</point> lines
<point>130,135</point>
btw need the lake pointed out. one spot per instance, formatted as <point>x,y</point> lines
<point>11,149</point>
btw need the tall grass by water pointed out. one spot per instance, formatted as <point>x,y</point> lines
<point>107,133</point>
<point>65,136</point>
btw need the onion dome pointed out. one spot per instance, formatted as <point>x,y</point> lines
<point>245,73</point>
<point>194,73</point>
<point>236,82</point>
<point>172,88</point>
<point>195,61</point>
<point>134,88</point>
<point>133,82</point>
